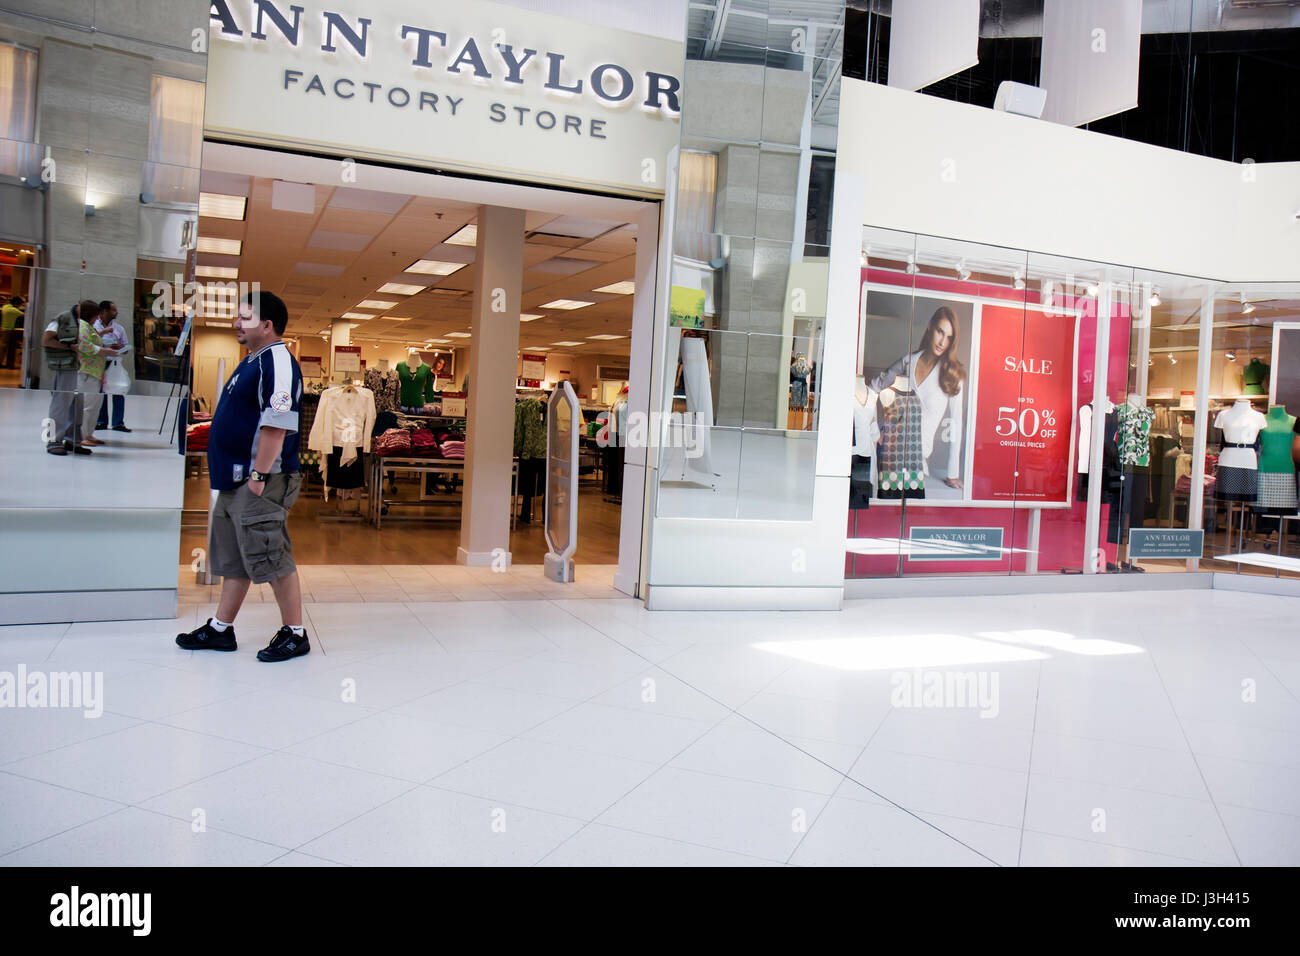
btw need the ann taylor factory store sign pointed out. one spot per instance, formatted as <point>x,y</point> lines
<point>463,86</point>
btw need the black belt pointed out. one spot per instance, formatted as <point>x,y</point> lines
<point>1237,444</point>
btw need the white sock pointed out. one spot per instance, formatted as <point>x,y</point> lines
<point>298,630</point>
<point>220,625</point>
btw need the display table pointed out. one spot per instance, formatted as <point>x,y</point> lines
<point>421,464</point>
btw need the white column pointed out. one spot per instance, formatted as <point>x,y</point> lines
<point>633,510</point>
<point>1204,353</point>
<point>1096,480</point>
<point>493,361</point>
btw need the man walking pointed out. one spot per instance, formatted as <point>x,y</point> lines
<point>113,335</point>
<point>253,467</point>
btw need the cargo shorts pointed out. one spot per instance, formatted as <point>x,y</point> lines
<point>250,539</point>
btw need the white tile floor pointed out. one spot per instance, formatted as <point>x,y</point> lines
<point>1125,729</point>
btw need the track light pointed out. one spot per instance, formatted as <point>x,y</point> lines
<point>963,273</point>
<point>911,265</point>
<point>1230,355</point>
<point>1093,289</point>
<point>1018,280</point>
<point>1246,307</point>
<point>1155,297</point>
<point>1172,360</point>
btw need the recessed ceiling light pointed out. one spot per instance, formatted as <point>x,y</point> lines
<point>465,236</point>
<point>394,318</point>
<point>433,267</point>
<point>379,304</point>
<point>397,288</point>
<point>530,316</point>
<point>219,206</point>
<point>566,304</point>
<point>439,341</point>
<point>222,247</point>
<point>217,272</point>
<point>357,315</point>
<point>566,344</point>
<point>618,288</point>
<point>607,337</point>
<point>458,335</point>
<point>536,348</point>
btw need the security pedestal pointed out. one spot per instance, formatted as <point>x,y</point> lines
<point>563,419</point>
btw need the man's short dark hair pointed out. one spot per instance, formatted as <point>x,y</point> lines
<point>105,305</point>
<point>16,300</point>
<point>268,306</point>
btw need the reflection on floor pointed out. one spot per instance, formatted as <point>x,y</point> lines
<point>612,735</point>
<point>417,542</point>
<point>137,470</point>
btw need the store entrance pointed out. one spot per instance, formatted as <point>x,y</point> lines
<point>382,277</point>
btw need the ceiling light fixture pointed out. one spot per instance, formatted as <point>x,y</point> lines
<point>911,265</point>
<point>218,206</point>
<point>217,272</point>
<point>221,247</point>
<point>398,288</point>
<point>566,304</point>
<point>376,304</point>
<point>1018,280</point>
<point>458,335</point>
<point>465,236</point>
<point>566,344</point>
<point>530,316</point>
<point>433,267</point>
<point>356,315</point>
<point>607,338</point>
<point>1155,297</point>
<point>963,273</point>
<point>1092,289</point>
<point>1246,307</point>
<point>1230,355</point>
<point>627,287</point>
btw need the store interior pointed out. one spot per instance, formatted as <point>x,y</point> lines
<point>380,290</point>
<point>1193,367</point>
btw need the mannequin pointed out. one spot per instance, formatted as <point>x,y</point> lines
<point>1133,446</point>
<point>866,433</point>
<point>1238,476</point>
<point>1254,377</point>
<point>1277,481</point>
<point>415,381</point>
<point>902,461</point>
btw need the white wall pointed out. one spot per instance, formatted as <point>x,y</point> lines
<point>1047,188</point>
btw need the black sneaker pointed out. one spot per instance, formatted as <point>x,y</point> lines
<point>205,638</point>
<point>284,645</point>
<point>81,450</point>
<point>121,428</point>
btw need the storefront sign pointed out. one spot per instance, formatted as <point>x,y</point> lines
<point>347,358</point>
<point>1024,417</point>
<point>310,365</point>
<point>1165,543</point>
<point>473,86</point>
<point>954,544</point>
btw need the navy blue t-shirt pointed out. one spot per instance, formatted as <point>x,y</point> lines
<point>265,389</point>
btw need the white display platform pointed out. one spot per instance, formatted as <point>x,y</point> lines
<point>88,538</point>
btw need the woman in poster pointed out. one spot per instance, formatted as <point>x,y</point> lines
<point>936,376</point>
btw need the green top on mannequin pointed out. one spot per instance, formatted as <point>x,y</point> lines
<point>1253,378</point>
<point>415,385</point>
<point>1275,442</point>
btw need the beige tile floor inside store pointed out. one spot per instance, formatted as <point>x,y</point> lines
<point>1120,729</point>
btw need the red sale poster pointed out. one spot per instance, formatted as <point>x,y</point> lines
<point>1024,414</point>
